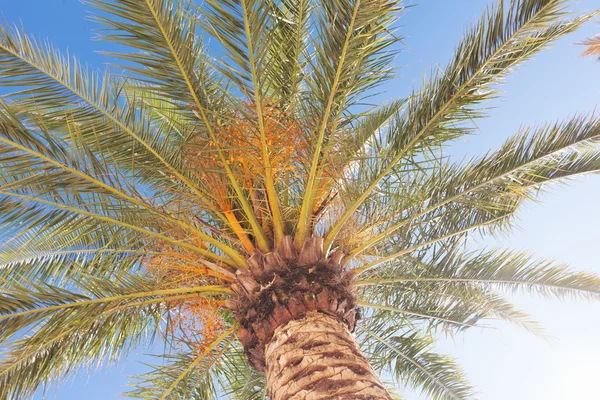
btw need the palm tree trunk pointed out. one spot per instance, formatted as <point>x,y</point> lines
<point>316,357</point>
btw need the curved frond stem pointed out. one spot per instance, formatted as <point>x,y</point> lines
<point>207,350</point>
<point>238,230</point>
<point>381,260</point>
<point>226,249</point>
<point>504,174</point>
<point>206,290</point>
<point>440,113</point>
<point>207,253</point>
<point>272,197</point>
<point>310,192</point>
<point>410,360</point>
<point>415,314</point>
<point>260,235</point>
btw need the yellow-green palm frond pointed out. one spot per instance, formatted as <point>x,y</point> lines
<point>130,197</point>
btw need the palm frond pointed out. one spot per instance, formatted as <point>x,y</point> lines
<point>76,211</point>
<point>27,302</point>
<point>71,173</point>
<point>488,52</point>
<point>169,37</point>
<point>417,314</point>
<point>198,384</point>
<point>238,379</point>
<point>95,333</point>
<point>511,271</point>
<point>409,359</point>
<point>351,55</point>
<point>457,305</point>
<point>440,308</point>
<point>287,58</point>
<point>502,180</point>
<point>28,259</point>
<point>502,309</point>
<point>59,80</point>
<point>170,57</point>
<point>195,381</point>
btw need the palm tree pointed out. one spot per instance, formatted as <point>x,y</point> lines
<point>248,209</point>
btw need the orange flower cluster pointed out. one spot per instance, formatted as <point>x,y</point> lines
<point>241,143</point>
<point>285,139</point>
<point>175,267</point>
<point>197,321</point>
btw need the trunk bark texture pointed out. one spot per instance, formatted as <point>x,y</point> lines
<point>316,357</point>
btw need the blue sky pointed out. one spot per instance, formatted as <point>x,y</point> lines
<point>504,363</point>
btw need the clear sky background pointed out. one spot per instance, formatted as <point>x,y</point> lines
<point>504,362</point>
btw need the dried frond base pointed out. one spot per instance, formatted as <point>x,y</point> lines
<point>285,285</point>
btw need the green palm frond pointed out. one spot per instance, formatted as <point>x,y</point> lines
<point>425,314</point>
<point>461,287</point>
<point>77,211</point>
<point>62,329</point>
<point>64,342</point>
<point>53,266</point>
<point>350,55</point>
<point>440,307</point>
<point>409,359</point>
<point>239,380</point>
<point>185,375</point>
<point>287,54</point>
<point>510,271</point>
<point>169,54</point>
<point>498,183</point>
<point>197,384</point>
<point>229,375</point>
<point>501,309</point>
<point>47,242</point>
<point>61,84</point>
<point>28,304</point>
<point>55,350</point>
<point>116,132</point>
<point>240,27</point>
<point>488,52</point>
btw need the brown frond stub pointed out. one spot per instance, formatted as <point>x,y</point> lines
<point>285,285</point>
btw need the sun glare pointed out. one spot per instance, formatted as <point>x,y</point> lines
<point>578,380</point>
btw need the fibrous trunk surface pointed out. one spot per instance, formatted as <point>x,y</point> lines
<point>286,285</point>
<point>296,311</point>
<point>316,357</point>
